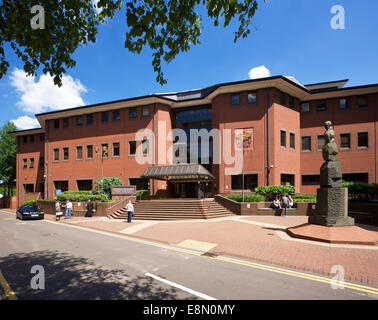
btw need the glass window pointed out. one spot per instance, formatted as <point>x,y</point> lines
<point>292,140</point>
<point>321,106</point>
<point>195,115</point>
<point>104,150</point>
<point>56,154</point>
<point>24,139</point>
<point>65,154</point>
<point>145,111</point>
<point>363,139</point>
<point>345,140</point>
<point>79,153</point>
<point>235,99</point>
<point>283,138</point>
<point>320,142</point>
<point>132,148</point>
<point>116,115</point>
<point>32,138</point>
<point>252,97</point>
<point>305,107</point>
<point>311,180</point>
<point>66,122</point>
<point>132,113</point>
<point>291,102</point>
<point>145,146</point>
<point>31,163</point>
<point>90,119</point>
<point>356,177</point>
<point>282,99</point>
<point>90,152</point>
<point>250,182</point>
<point>343,103</point>
<point>306,143</point>
<point>362,101</point>
<point>104,117</point>
<point>116,151</point>
<point>24,163</point>
<point>79,121</point>
<point>56,124</point>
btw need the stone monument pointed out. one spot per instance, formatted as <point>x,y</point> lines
<point>332,198</point>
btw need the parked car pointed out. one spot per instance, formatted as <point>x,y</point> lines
<point>29,211</point>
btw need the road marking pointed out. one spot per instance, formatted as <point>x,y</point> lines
<point>199,245</point>
<point>8,291</point>
<point>297,274</point>
<point>138,227</point>
<point>179,286</point>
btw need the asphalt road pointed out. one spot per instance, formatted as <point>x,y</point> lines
<point>82,264</point>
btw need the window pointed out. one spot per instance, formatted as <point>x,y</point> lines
<point>305,107</point>
<point>56,154</point>
<point>104,117</point>
<point>145,111</point>
<point>356,177</point>
<point>79,121</point>
<point>287,179</point>
<point>79,153</point>
<point>90,119</point>
<point>145,146</point>
<point>321,106</point>
<point>42,137</point>
<point>283,138</point>
<point>362,101</point>
<point>282,99</point>
<point>235,99</point>
<point>291,103</point>
<point>24,163</point>
<point>41,162</point>
<point>345,140</point>
<point>292,140</point>
<point>65,154</point>
<point>132,148</point>
<point>31,163</point>
<point>250,182</point>
<point>56,124</point>
<point>320,142</point>
<point>116,151</point>
<point>311,180</point>
<point>343,103</point>
<point>362,139</point>
<point>90,152</point>
<point>25,139</point>
<point>66,122</point>
<point>306,143</point>
<point>104,151</point>
<point>252,97</point>
<point>116,115</point>
<point>32,138</point>
<point>132,113</point>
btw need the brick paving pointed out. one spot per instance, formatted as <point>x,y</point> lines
<point>254,240</point>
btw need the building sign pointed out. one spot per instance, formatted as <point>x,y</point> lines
<point>123,190</point>
<point>244,138</point>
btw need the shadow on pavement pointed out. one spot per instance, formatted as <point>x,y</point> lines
<point>76,278</point>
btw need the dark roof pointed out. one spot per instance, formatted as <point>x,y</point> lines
<point>193,172</point>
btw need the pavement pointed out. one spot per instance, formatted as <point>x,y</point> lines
<point>256,238</point>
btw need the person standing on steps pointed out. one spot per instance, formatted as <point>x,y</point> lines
<point>130,211</point>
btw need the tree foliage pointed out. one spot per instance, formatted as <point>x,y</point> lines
<point>8,151</point>
<point>105,185</point>
<point>168,27</point>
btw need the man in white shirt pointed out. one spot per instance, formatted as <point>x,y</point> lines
<point>69,209</point>
<point>130,211</point>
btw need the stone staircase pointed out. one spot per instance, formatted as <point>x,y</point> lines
<point>174,210</point>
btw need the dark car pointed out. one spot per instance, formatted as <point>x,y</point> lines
<point>30,212</point>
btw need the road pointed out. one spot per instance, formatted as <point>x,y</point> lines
<point>87,264</point>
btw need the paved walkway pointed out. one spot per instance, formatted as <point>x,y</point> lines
<point>258,238</point>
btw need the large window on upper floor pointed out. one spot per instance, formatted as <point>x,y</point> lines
<point>66,122</point>
<point>252,97</point>
<point>305,107</point>
<point>132,113</point>
<point>362,139</point>
<point>116,115</point>
<point>104,117</point>
<point>343,103</point>
<point>321,105</point>
<point>362,101</point>
<point>235,99</point>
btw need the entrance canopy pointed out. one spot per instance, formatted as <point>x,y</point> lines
<point>179,173</point>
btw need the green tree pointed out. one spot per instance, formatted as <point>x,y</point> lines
<point>168,27</point>
<point>105,185</point>
<point>8,151</point>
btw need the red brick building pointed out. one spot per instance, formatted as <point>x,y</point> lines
<point>284,120</point>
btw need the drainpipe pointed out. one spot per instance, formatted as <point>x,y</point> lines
<point>267,138</point>
<point>153,147</point>
<point>47,159</point>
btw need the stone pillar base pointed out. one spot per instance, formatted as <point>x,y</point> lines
<point>331,221</point>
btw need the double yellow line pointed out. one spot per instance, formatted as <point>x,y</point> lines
<point>297,274</point>
<point>9,293</point>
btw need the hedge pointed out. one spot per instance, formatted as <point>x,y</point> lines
<point>247,197</point>
<point>82,196</point>
<point>270,192</point>
<point>362,191</point>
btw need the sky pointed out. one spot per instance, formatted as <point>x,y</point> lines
<point>291,37</point>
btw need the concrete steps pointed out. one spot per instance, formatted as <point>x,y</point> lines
<point>174,210</point>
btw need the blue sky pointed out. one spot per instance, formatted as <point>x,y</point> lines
<point>293,37</point>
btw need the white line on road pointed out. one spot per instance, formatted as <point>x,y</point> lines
<point>173,284</point>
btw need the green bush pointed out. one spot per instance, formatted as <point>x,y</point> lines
<point>105,185</point>
<point>82,196</point>
<point>30,202</point>
<point>270,192</point>
<point>247,197</point>
<point>141,193</point>
<point>304,200</point>
<point>362,191</point>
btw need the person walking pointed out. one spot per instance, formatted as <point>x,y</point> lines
<point>285,203</point>
<point>89,207</point>
<point>58,212</point>
<point>130,211</point>
<point>68,209</point>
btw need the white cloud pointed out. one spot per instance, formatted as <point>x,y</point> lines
<point>258,72</point>
<point>42,95</point>
<point>26,122</point>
